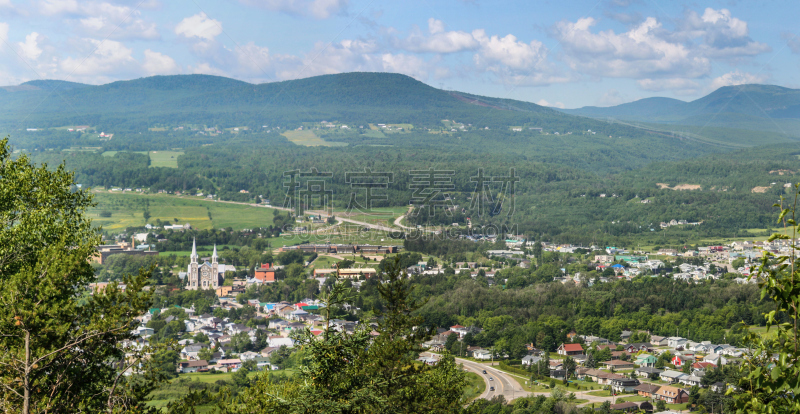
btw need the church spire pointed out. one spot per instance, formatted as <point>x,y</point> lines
<point>193,257</point>
<point>214,255</point>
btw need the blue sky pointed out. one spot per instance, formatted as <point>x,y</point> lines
<point>557,53</point>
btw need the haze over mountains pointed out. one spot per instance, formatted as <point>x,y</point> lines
<point>754,107</point>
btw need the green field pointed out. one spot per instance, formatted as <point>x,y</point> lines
<point>167,159</point>
<point>308,138</point>
<point>127,210</point>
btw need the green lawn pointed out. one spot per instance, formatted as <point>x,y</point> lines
<point>127,209</point>
<point>475,386</point>
<point>601,393</point>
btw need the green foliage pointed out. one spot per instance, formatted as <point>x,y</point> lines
<point>61,347</point>
<point>770,376</point>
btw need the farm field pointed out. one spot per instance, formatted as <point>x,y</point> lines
<point>127,209</point>
<point>167,159</point>
<point>309,139</point>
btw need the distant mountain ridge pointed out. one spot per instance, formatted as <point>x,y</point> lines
<point>750,106</point>
<point>359,97</point>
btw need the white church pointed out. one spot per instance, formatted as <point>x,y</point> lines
<point>206,275</point>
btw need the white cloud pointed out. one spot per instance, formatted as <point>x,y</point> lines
<point>641,52</point>
<point>199,26</point>
<point>156,63</point>
<point>508,51</point>
<point>410,65</point>
<point>51,7</point>
<point>101,19</point>
<point>206,69</point>
<point>30,49</point>
<point>3,31</point>
<point>737,78</point>
<point>438,40</point>
<point>318,9</point>
<point>108,58</point>
<point>543,102</point>
<point>723,35</point>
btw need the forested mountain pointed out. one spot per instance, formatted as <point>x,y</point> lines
<point>754,107</point>
<point>357,98</point>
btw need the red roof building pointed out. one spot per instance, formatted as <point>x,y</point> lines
<point>570,349</point>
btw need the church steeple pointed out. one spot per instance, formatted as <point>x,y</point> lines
<point>214,255</point>
<point>193,256</point>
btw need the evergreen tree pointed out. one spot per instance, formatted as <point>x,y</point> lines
<point>61,348</point>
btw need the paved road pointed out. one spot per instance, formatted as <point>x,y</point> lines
<point>503,383</point>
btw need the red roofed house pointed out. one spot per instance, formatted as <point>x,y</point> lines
<point>702,366</point>
<point>570,349</point>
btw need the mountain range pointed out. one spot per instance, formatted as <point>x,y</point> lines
<point>725,117</point>
<point>753,107</point>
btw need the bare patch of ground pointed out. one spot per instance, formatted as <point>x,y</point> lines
<point>663,186</point>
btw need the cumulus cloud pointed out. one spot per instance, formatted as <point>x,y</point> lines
<point>723,35</point>
<point>737,78</point>
<point>318,9</point>
<point>438,40</point>
<point>156,63</point>
<point>641,52</point>
<point>101,19</point>
<point>199,26</point>
<point>107,58</point>
<point>657,57</point>
<point>30,49</point>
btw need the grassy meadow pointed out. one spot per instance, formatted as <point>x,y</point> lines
<point>308,138</point>
<point>127,209</point>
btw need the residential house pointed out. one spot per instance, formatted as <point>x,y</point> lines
<point>676,342</point>
<point>230,364</point>
<point>702,366</point>
<point>680,360</point>
<point>570,349</point>
<point>647,390</point>
<point>636,347</point>
<point>558,374</point>
<point>672,395</point>
<point>691,380</point>
<point>482,354</point>
<point>648,372</point>
<point>618,364</point>
<point>672,376</point>
<point>460,330</point>
<point>624,384</point>
<point>531,360</point>
<point>277,341</point>
<point>646,360</point>
<point>192,366</point>
<point>715,359</point>
<point>656,340</point>
<point>191,351</point>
